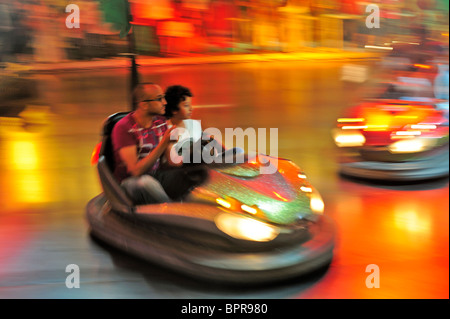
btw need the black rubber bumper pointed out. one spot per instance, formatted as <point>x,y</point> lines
<point>427,168</point>
<point>236,268</point>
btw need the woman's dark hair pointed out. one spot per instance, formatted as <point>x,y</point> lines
<point>174,95</point>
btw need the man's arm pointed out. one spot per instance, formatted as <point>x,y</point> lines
<point>136,166</point>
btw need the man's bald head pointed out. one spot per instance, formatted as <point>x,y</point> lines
<point>146,91</point>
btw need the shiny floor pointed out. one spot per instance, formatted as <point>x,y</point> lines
<point>47,180</point>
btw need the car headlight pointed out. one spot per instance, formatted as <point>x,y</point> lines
<point>414,145</point>
<point>316,203</point>
<point>350,139</point>
<point>241,227</point>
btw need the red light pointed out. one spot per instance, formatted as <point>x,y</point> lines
<point>95,154</point>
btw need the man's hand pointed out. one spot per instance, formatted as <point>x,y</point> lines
<point>165,141</point>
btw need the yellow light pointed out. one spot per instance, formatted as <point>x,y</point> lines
<point>343,120</point>
<point>302,176</point>
<point>408,146</point>
<point>245,228</point>
<point>422,66</point>
<point>306,189</point>
<point>223,202</point>
<point>316,203</point>
<point>280,197</point>
<point>249,209</point>
<point>413,222</point>
<point>345,140</point>
<point>406,117</point>
<point>29,181</point>
<point>24,155</point>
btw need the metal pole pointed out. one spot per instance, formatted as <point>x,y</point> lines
<point>134,75</point>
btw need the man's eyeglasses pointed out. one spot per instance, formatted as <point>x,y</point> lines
<point>159,99</point>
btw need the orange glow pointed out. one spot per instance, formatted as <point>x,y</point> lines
<point>95,153</point>
<point>412,222</point>
<point>395,116</point>
<point>422,66</point>
<point>30,187</point>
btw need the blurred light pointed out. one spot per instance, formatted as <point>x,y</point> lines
<point>302,176</point>
<point>412,43</point>
<point>345,140</point>
<point>398,137</point>
<point>354,127</point>
<point>408,146</point>
<point>24,155</point>
<point>280,197</point>
<point>306,189</point>
<point>30,187</point>
<point>423,126</point>
<point>411,221</point>
<point>316,203</point>
<point>381,127</point>
<point>343,120</point>
<point>422,66</point>
<point>249,209</point>
<point>223,202</point>
<point>245,228</point>
<point>406,117</point>
<point>28,182</point>
<point>95,153</point>
<point>409,133</point>
<point>378,47</point>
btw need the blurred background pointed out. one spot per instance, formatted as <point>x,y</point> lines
<point>295,65</point>
<point>35,30</point>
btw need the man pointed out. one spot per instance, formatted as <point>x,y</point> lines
<point>139,140</point>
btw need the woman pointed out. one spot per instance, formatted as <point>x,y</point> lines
<point>178,112</point>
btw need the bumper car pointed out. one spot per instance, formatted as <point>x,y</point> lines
<point>238,227</point>
<point>397,140</point>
